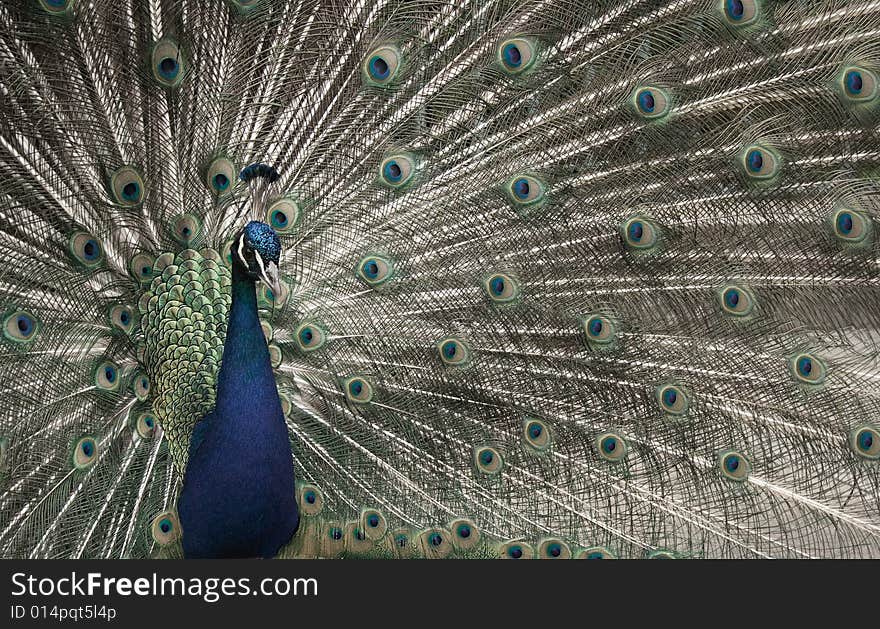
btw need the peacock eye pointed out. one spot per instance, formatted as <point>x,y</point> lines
<point>86,249</point>
<point>488,460</point>
<point>396,171</point>
<point>808,369</point>
<point>141,386</point>
<point>595,552</point>
<point>553,548</point>
<point>517,55</point>
<point>599,329</point>
<point>611,447</point>
<point>734,465</point>
<point>167,63</point>
<point>145,425</point>
<point>737,300</point>
<point>56,6</point>
<point>107,376</point>
<point>186,228</point>
<point>358,390</point>
<point>283,215</point>
<point>127,186</point>
<point>220,175</point>
<point>453,351</point>
<point>375,270</point>
<point>310,337</point>
<point>165,528</point>
<point>760,162</point>
<point>851,226</point>
<point>650,102</point>
<point>20,326</point>
<point>858,84</point>
<point>525,190</point>
<point>536,434</point>
<point>141,267</point>
<point>85,452</point>
<point>739,12</point>
<point>516,550</point>
<point>381,66</point>
<point>121,317</point>
<point>640,233</point>
<point>865,442</point>
<point>501,288</point>
<point>672,399</point>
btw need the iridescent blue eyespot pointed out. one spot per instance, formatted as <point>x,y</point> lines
<point>760,162</point>
<point>375,270</point>
<point>382,65</point>
<point>167,63</point>
<point>488,460</point>
<point>501,288</point>
<point>553,548</point>
<point>310,337</point>
<point>310,497</point>
<point>865,442</point>
<point>650,102</point>
<point>19,326</point>
<point>453,351</point>
<point>57,6</point>
<point>220,175</point>
<point>517,55</point>
<point>611,446</point>
<point>358,390</point>
<point>165,528</point>
<point>734,465</point>
<point>740,12</point>
<point>85,452</point>
<point>854,82</point>
<point>672,399</point>
<point>526,191</point>
<point>639,233</point>
<point>737,300</point>
<point>536,434</point>
<point>396,171</point>
<point>851,227</point>
<point>808,369</point>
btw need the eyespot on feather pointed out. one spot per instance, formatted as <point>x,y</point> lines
<point>553,548</point>
<point>465,534</point>
<point>167,63</point>
<point>397,171</point>
<point>375,270</point>
<point>20,326</point>
<point>453,352</point>
<point>165,528</point>
<point>86,249</point>
<point>734,465</point>
<point>808,368</point>
<point>311,500</point>
<point>594,552</point>
<point>651,103</point>
<point>864,441</point>
<point>536,434</point>
<point>435,543</point>
<point>382,65</point>
<point>127,187</point>
<point>673,399</point>
<point>373,523</point>
<point>358,390</point>
<point>611,447</point>
<point>501,288</point>
<point>220,176</point>
<point>107,376</point>
<point>516,550</point>
<point>145,425</point>
<point>517,55</point>
<point>283,215</point>
<point>488,460</point>
<point>310,337</point>
<point>85,452</point>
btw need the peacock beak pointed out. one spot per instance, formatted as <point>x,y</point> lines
<point>270,276</point>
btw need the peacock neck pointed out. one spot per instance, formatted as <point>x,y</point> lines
<point>247,398</point>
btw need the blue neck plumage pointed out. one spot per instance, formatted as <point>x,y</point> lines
<point>239,494</point>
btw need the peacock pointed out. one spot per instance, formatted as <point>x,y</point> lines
<point>431,279</point>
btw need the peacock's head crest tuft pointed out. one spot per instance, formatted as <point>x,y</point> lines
<point>257,250</point>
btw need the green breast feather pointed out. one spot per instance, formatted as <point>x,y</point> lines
<point>184,324</point>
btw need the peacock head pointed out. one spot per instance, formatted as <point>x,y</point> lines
<point>257,251</point>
